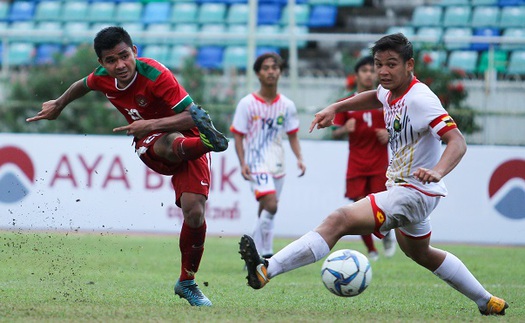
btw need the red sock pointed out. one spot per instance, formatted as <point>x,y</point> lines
<point>189,148</point>
<point>191,244</point>
<point>369,242</point>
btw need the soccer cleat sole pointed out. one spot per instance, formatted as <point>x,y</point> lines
<point>257,274</point>
<point>210,137</point>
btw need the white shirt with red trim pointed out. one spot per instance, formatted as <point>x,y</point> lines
<point>264,126</point>
<point>415,121</point>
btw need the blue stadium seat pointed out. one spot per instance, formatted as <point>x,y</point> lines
<point>504,3</point>
<point>21,53</point>
<point>101,12</point>
<point>238,13</point>
<point>156,12</point>
<point>184,12</point>
<point>210,57</point>
<point>485,16</point>
<point>438,58</point>
<point>517,34</point>
<point>21,11</point>
<point>323,16</point>
<point>457,16</point>
<point>499,61</point>
<point>48,11</point>
<point>46,53</point>
<point>211,13</point>
<point>301,14</point>
<point>75,11</point>
<point>484,32</point>
<point>268,14</point>
<point>465,60</point>
<point>455,32</point>
<point>266,49</point>
<point>128,12</point>
<point>426,16</point>
<point>235,56</point>
<point>178,54</point>
<point>512,17</point>
<point>516,63</point>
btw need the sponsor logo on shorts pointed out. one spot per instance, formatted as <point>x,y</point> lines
<point>17,173</point>
<point>507,189</point>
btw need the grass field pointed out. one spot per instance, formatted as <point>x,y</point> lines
<point>49,277</point>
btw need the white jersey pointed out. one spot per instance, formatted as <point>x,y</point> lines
<point>416,121</point>
<point>264,126</point>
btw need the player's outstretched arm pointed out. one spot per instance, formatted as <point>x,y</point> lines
<point>52,109</point>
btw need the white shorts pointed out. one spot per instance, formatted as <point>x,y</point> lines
<point>264,184</point>
<point>405,208</point>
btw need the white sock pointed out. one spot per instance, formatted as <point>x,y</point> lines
<point>457,275</point>
<point>257,235</point>
<point>266,227</point>
<point>306,250</point>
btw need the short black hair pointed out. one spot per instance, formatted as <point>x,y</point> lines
<point>258,62</point>
<point>366,60</point>
<point>397,43</point>
<point>110,37</point>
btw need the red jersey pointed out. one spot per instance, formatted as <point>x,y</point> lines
<point>153,93</point>
<point>367,155</point>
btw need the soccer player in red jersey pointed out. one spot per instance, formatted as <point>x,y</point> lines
<point>172,135</point>
<point>368,150</point>
<point>417,125</point>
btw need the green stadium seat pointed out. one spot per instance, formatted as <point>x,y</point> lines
<point>178,55</point>
<point>75,11</point>
<point>426,16</point>
<point>268,31</point>
<point>184,12</point>
<point>77,32</point>
<point>454,32</point>
<point>512,17</point>
<point>325,2</point>
<point>517,34</point>
<point>446,3</point>
<point>408,31</point>
<point>457,16</point>
<point>483,2</point>
<point>186,30</point>
<point>349,3</point>
<point>235,56</point>
<point>500,61</point>
<point>49,32</point>
<point>4,10</point>
<point>465,60</point>
<point>302,14</point>
<point>516,63</point>
<point>211,13</point>
<point>101,12</point>
<point>160,29</point>
<point>238,14</point>
<point>134,28</point>
<point>299,30</point>
<point>213,32</point>
<point>21,53</point>
<point>157,52</point>
<point>48,11</point>
<point>241,31</point>
<point>434,35</point>
<point>21,31</point>
<point>485,16</point>
<point>438,58</point>
<point>128,12</point>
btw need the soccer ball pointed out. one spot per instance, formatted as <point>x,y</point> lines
<point>346,273</point>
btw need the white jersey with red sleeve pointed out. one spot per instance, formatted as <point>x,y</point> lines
<point>415,121</point>
<point>264,126</point>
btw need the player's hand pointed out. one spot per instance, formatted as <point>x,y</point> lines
<point>50,111</point>
<point>323,119</point>
<point>302,167</point>
<point>350,125</point>
<point>382,135</point>
<point>138,128</point>
<point>245,172</point>
<point>425,175</point>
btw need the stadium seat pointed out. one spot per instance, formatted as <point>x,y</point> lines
<point>178,55</point>
<point>299,30</point>
<point>485,16</point>
<point>184,12</point>
<point>266,49</point>
<point>516,34</point>
<point>326,2</point>
<point>452,33</point>
<point>50,32</point>
<point>210,57</point>
<point>516,63</point>
<point>512,17</point>
<point>483,2</point>
<point>408,31</point>
<point>188,34</point>
<point>433,34</point>
<point>235,56</point>
<point>323,16</point>
<point>437,58</point>
<point>157,52</point>
<point>213,31</point>
<point>211,13</point>
<point>160,29</point>
<point>156,12</point>
<point>465,60</point>
<point>101,12</point>
<point>268,35</point>
<point>77,32</point>
<point>426,16</point>
<point>21,54</point>
<point>46,53</point>
<point>447,3</point>
<point>75,11</point>
<point>238,14</point>
<point>20,31</point>
<point>268,14</point>
<point>128,12</point>
<point>241,33</point>
<point>134,28</point>
<point>4,10</point>
<point>504,3</point>
<point>500,61</point>
<point>457,16</point>
<point>349,3</point>
<point>487,32</point>
<point>48,11</point>
<point>301,14</point>
<point>21,11</point>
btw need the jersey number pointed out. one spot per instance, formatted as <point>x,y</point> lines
<point>367,118</point>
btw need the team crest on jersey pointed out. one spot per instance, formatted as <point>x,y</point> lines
<point>141,101</point>
<point>397,123</point>
<point>280,120</point>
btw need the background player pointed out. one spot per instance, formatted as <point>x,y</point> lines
<point>417,124</point>
<point>260,122</point>
<point>368,150</point>
<point>162,119</point>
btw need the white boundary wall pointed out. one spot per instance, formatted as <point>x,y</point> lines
<point>97,183</point>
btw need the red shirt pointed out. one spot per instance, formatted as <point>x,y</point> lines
<point>367,155</point>
<point>154,92</point>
